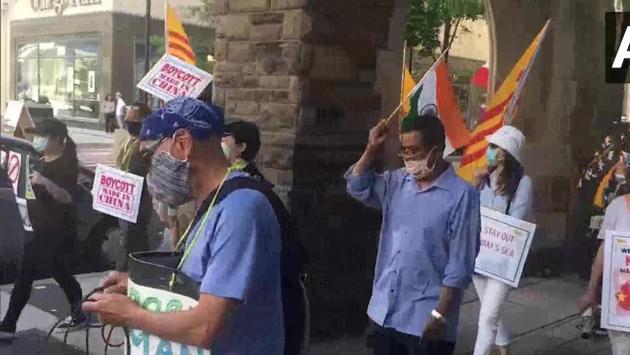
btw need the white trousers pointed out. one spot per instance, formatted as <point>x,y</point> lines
<point>619,342</point>
<point>491,330</point>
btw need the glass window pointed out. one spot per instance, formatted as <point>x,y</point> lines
<point>62,71</point>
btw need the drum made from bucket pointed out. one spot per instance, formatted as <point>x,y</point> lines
<point>149,278</point>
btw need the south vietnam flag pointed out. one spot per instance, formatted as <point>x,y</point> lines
<point>177,43</point>
<point>434,94</point>
<point>501,110</point>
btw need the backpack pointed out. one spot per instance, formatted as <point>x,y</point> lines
<point>294,297</point>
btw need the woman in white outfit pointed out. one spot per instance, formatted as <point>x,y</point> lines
<point>617,218</point>
<point>505,188</point>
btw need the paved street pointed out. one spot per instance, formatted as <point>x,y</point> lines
<point>541,315</point>
<point>93,147</point>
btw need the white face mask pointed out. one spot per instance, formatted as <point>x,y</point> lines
<point>620,178</point>
<point>226,150</point>
<point>40,143</point>
<point>420,169</point>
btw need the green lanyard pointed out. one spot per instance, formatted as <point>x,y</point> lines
<point>202,225</point>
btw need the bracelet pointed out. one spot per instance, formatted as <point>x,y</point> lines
<point>435,314</point>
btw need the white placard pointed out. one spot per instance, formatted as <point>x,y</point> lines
<point>616,283</point>
<point>26,221</point>
<point>171,77</point>
<point>117,193</point>
<point>505,243</point>
<point>13,113</point>
<point>156,300</point>
<point>13,170</point>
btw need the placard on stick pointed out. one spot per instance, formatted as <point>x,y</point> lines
<point>171,77</point>
<point>17,117</point>
<point>117,193</point>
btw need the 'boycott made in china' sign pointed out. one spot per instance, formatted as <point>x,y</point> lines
<point>171,77</point>
<point>504,245</point>
<point>616,283</point>
<point>117,193</point>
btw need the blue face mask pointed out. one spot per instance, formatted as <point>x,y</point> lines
<point>40,143</point>
<point>491,156</point>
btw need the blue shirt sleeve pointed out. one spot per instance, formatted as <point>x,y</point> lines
<point>246,241</point>
<point>368,188</point>
<point>523,201</point>
<point>464,241</point>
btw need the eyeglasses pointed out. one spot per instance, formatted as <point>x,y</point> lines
<point>406,153</point>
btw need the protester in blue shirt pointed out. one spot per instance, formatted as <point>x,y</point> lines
<point>428,244</point>
<point>234,252</point>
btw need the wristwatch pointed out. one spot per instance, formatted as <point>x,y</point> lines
<point>435,314</point>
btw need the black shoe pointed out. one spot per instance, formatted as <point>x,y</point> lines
<point>74,322</point>
<point>7,333</point>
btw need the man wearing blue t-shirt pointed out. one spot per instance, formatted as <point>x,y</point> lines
<point>233,252</point>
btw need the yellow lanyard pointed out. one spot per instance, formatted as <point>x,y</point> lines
<point>127,150</point>
<point>202,225</point>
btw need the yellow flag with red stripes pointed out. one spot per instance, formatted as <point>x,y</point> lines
<point>501,110</point>
<point>407,87</point>
<point>177,43</point>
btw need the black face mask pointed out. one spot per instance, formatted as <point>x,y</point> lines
<point>134,128</point>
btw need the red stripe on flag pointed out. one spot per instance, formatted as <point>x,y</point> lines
<point>471,158</point>
<point>178,36</point>
<point>481,135</point>
<point>182,49</point>
<point>497,110</point>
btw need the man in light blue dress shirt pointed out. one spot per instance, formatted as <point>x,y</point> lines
<point>428,244</point>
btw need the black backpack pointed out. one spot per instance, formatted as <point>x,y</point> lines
<point>294,298</point>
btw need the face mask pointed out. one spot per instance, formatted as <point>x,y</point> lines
<point>420,169</point>
<point>491,156</point>
<point>169,180</point>
<point>40,143</point>
<point>134,128</point>
<point>620,179</point>
<point>226,150</point>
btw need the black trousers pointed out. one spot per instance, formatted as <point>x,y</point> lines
<point>44,255</point>
<point>389,341</point>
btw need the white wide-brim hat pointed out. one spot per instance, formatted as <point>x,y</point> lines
<point>509,139</point>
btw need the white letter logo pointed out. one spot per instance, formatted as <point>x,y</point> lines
<point>623,52</point>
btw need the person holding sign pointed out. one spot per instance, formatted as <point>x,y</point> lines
<point>428,244</point>
<point>130,159</point>
<point>617,218</point>
<point>54,220</point>
<point>232,248</point>
<point>505,188</point>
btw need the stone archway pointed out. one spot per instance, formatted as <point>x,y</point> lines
<point>315,75</point>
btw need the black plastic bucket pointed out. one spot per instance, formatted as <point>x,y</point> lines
<point>150,275</point>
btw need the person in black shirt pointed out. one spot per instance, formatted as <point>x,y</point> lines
<point>132,160</point>
<point>240,143</point>
<point>54,220</point>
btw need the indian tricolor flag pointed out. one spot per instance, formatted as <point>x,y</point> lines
<point>501,110</point>
<point>177,43</point>
<point>434,94</point>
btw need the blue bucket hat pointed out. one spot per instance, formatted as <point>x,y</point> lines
<point>200,119</point>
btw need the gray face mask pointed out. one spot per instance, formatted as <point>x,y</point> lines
<point>169,180</point>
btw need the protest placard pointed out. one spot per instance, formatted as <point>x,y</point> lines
<point>29,194</point>
<point>171,77</point>
<point>504,246</point>
<point>23,208</point>
<point>14,164</point>
<point>18,118</point>
<point>616,283</point>
<point>117,193</point>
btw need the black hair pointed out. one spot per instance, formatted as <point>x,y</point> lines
<point>429,126</point>
<point>248,133</point>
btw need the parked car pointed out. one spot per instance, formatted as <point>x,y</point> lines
<point>97,234</point>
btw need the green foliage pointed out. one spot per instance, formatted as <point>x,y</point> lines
<point>426,17</point>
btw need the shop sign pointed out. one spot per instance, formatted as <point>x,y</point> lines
<point>59,6</point>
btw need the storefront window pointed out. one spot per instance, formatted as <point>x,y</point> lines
<point>157,51</point>
<point>63,72</point>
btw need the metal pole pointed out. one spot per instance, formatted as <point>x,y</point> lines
<point>147,44</point>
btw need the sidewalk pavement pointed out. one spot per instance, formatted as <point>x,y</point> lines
<point>541,314</point>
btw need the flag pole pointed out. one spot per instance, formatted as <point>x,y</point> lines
<point>414,89</point>
<point>402,75</point>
